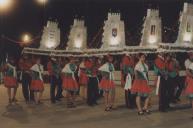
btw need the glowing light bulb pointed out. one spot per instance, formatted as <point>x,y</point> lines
<point>42,1</point>
<point>26,38</point>
<point>5,4</point>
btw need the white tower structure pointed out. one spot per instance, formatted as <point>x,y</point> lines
<point>114,32</point>
<point>185,34</point>
<point>152,29</point>
<point>77,39</point>
<point>51,36</point>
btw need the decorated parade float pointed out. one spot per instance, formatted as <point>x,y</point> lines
<point>113,37</point>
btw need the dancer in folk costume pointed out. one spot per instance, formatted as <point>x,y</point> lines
<point>83,78</point>
<point>107,83</point>
<point>92,88</point>
<point>127,72</point>
<point>189,79</point>
<point>10,79</point>
<point>54,70</point>
<point>187,63</point>
<point>37,84</point>
<point>140,85</point>
<point>162,83</point>
<point>25,64</point>
<point>69,82</point>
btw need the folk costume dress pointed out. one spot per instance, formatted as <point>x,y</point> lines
<point>140,85</point>
<point>107,82</point>
<point>10,76</point>
<point>69,82</point>
<point>83,78</point>
<point>37,83</point>
<point>189,88</point>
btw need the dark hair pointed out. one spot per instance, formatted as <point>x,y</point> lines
<point>168,55</point>
<point>141,54</point>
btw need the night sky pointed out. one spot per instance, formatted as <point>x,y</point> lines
<point>28,16</point>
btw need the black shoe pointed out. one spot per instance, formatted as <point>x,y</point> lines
<point>147,111</point>
<point>39,102</point>
<point>163,110</point>
<point>90,104</point>
<point>169,108</point>
<point>58,99</point>
<point>61,96</point>
<point>96,103</point>
<point>107,109</point>
<point>174,101</point>
<point>14,100</point>
<point>53,102</point>
<point>112,108</point>
<point>178,99</point>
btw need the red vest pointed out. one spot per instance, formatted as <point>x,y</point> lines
<point>160,63</point>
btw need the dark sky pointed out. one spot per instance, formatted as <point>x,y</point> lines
<point>28,16</point>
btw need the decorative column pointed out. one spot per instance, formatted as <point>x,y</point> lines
<point>185,34</point>
<point>77,39</point>
<point>114,32</point>
<point>152,29</point>
<point>51,36</point>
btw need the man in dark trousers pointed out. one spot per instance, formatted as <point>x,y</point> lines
<point>178,81</point>
<point>161,72</point>
<point>171,67</point>
<point>54,70</point>
<point>127,70</point>
<point>25,65</point>
<point>92,87</point>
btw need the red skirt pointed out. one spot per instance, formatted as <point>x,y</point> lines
<point>10,82</point>
<point>189,88</point>
<point>83,79</point>
<point>141,87</point>
<point>37,85</point>
<point>69,84</point>
<point>106,84</point>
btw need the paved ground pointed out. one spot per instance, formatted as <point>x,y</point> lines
<point>58,116</point>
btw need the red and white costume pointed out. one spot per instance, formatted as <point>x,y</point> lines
<point>107,82</point>
<point>189,81</point>
<point>140,85</point>
<point>10,76</point>
<point>37,83</point>
<point>69,82</point>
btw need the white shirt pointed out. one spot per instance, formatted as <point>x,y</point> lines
<point>187,63</point>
